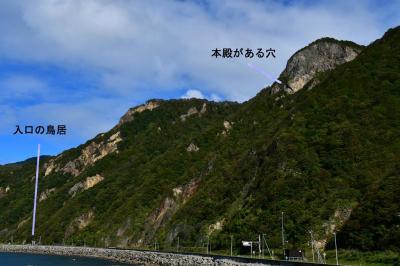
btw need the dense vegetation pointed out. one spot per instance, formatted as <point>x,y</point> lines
<point>317,155</point>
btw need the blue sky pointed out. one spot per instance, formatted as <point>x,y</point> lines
<point>84,63</point>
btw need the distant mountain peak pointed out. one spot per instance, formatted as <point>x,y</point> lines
<point>319,56</point>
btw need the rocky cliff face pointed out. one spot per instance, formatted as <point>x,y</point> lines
<point>128,116</point>
<point>321,55</point>
<point>4,191</point>
<point>90,154</point>
<point>90,182</point>
<point>45,194</point>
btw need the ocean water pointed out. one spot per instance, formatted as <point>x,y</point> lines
<point>23,259</point>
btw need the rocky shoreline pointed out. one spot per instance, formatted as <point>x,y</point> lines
<point>143,257</point>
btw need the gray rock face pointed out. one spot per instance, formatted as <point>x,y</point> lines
<point>90,181</point>
<point>193,111</point>
<point>4,191</point>
<point>129,116</point>
<point>321,55</point>
<point>192,148</point>
<point>45,194</point>
<point>89,155</point>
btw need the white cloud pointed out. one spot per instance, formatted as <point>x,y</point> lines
<point>136,50</point>
<point>83,119</point>
<point>193,94</point>
<point>215,97</point>
<point>21,87</point>
<point>8,119</point>
<point>199,95</point>
<point>132,45</point>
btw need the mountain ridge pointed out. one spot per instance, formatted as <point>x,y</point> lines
<point>195,169</point>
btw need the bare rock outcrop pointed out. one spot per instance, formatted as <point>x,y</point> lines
<point>4,191</point>
<point>51,166</point>
<point>45,194</point>
<point>218,225</point>
<point>203,109</point>
<point>89,155</point>
<point>192,148</point>
<point>121,231</point>
<point>90,182</point>
<point>129,116</point>
<point>193,111</point>
<point>321,55</point>
<point>169,207</point>
<point>23,222</point>
<point>340,217</point>
<point>79,223</point>
<point>190,112</point>
<point>227,127</point>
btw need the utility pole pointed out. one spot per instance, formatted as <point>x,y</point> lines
<point>262,248</point>
<point>312,251</point>
<point>177,246</point>
<point>231,245</point>
<point>283,239</point>
<point>208,244</point>
<point>337,259</point>
<point>35,196</point>
<point>259,245</point>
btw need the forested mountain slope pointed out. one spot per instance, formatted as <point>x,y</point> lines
<point>327,156</point>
